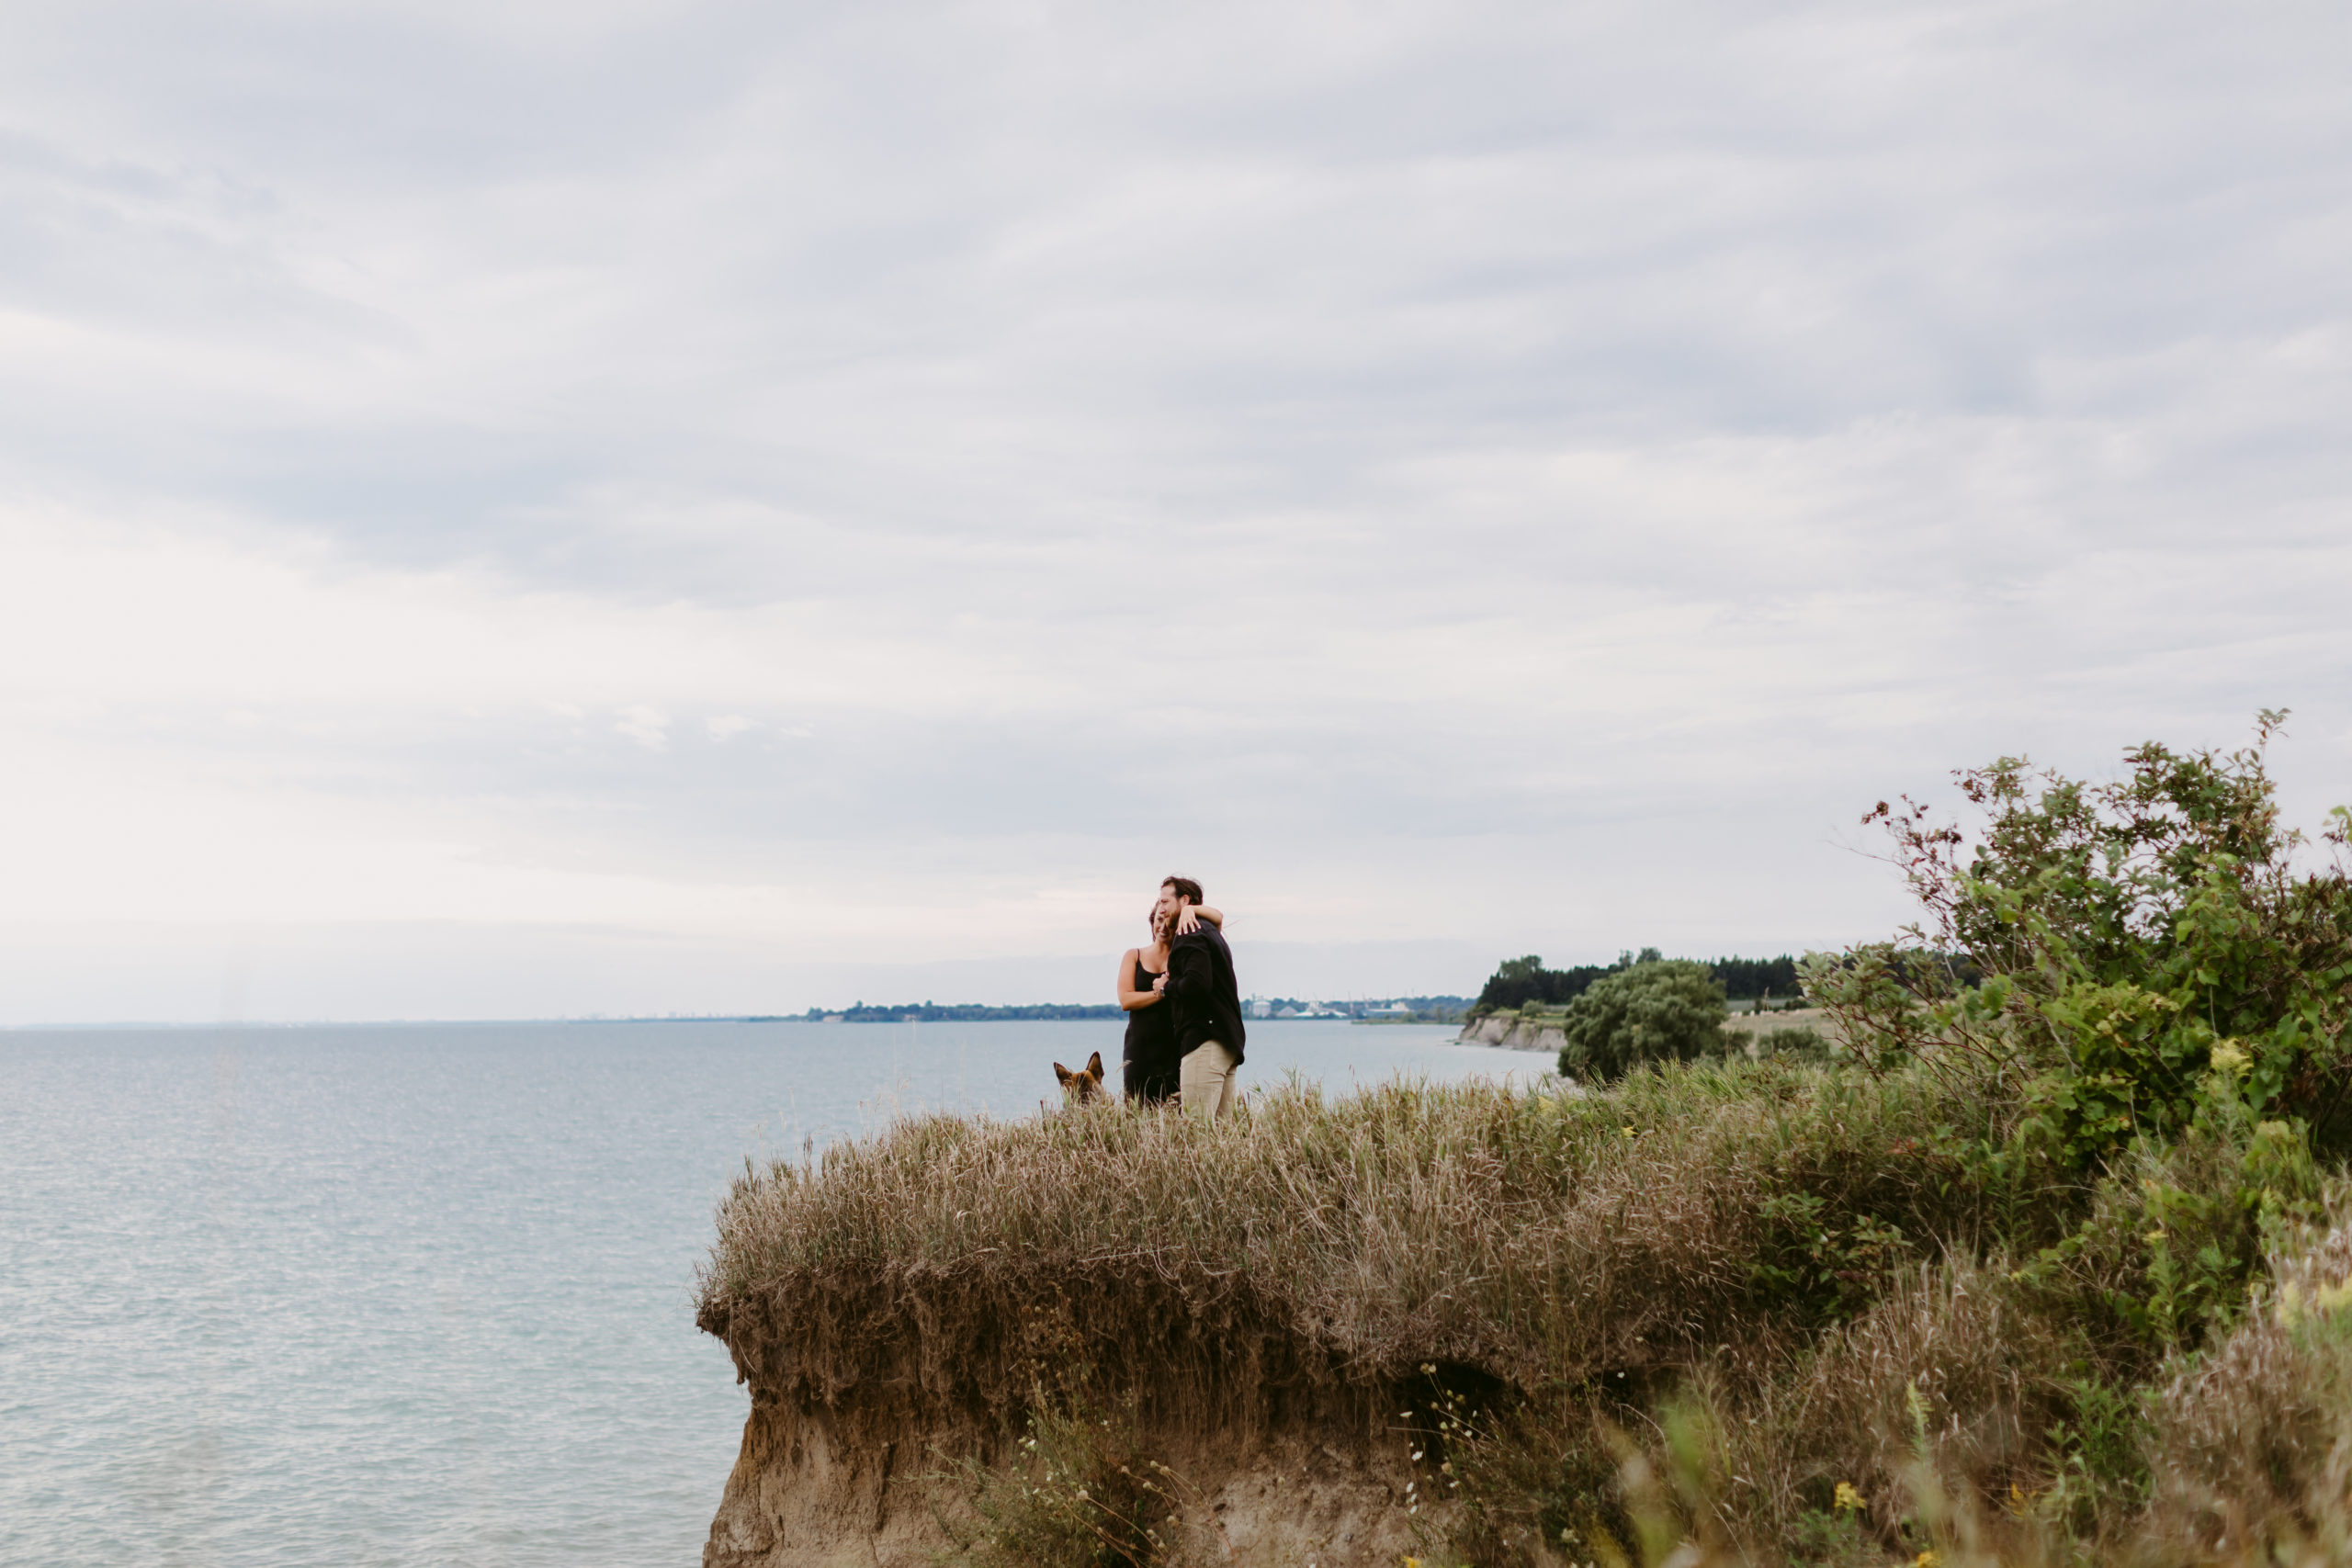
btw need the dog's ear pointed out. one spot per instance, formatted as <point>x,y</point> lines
<point>1064,1074</point>
<point>1094,1065</point>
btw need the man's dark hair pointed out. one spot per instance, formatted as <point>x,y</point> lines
<point>1185,887</point>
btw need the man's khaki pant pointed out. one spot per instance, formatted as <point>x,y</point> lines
<point>1204,1081</point>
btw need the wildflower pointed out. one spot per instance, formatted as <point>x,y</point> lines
<point>2154,1235</point>
<point>2228,1057</point>
<point>1927,1559</point>
<point>1849,1498</point>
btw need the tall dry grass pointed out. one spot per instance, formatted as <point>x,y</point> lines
<point>1806,1264</point>
<point>1532,1240</point>
<point>1417,1243</point>
<point>1926,1408</point>
<point>2251,1445</point>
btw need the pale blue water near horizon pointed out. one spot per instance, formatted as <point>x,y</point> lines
<point>420,1294</point>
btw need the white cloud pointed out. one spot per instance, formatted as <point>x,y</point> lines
<point>871,488</point>
<point>650,728</point>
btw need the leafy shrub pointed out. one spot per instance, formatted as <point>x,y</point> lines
<point>1661,1010</point>
<point>2130,935</point>
<point>2168,990</point>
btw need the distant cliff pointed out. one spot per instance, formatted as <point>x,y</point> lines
<point>1529,1030</point>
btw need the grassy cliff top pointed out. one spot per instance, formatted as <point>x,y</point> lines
<point>1823,1264</point>
<point>1518,1238</point>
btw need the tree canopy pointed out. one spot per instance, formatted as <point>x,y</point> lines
<point>1520,982</point>
<point>1654,1010</point>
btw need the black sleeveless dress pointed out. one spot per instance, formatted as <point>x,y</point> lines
<point>1150,1062</point>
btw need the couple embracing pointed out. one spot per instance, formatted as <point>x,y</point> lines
<point>1184,1032</point>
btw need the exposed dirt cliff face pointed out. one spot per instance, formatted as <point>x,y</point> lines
<point>1513,1033</point>
<point>816,1488</point>
<point>869,1412</point>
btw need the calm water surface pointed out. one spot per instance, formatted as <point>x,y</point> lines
<point>422,1294</point>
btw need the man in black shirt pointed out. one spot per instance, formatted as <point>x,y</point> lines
<point>1206,1002</point>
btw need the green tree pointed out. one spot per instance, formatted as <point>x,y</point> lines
<point>1519,981</point>
<point>1658,1010</point>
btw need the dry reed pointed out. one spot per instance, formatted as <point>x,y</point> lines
<point>1802,1261</point>
<point>1528,1240</point>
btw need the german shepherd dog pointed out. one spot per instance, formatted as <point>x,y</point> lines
<point>1082,1087</point>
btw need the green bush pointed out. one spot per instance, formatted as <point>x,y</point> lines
<point>2131,936</point>
<point>1660,1011</point>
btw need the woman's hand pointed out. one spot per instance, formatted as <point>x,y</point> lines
<point>1160,983</point>
<point>1187,921</point>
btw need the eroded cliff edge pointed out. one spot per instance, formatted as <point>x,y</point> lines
<point>1514,1032</point>
<point>806,1492</point>
<point>878,1473</point>
<point>1275,1307</point>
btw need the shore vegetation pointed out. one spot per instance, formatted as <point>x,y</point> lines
<point>2046,1259</point>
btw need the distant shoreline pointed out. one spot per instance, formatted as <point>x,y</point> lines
<point>1075,1012</point>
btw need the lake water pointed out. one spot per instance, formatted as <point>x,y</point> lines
<point>422,1295</point>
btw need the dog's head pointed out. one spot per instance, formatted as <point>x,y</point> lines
<point>1079,1087</point>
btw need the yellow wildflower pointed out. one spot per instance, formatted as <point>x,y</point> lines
<point>1850,1499</point>
<point>2230,1057</point>
<point>1927,1559</point>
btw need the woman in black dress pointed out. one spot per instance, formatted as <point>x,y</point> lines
<point>1150,1062</point>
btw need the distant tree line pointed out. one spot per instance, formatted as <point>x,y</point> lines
<point>1438,1009</point>
<point>1743,978</point>
<point>960,1012</point>
<point>1426,1010</point>
<point>1522,981</point>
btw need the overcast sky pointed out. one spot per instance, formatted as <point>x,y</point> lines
<point>521,510</point>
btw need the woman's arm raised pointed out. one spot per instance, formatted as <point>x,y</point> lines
<point>1190,916</point>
